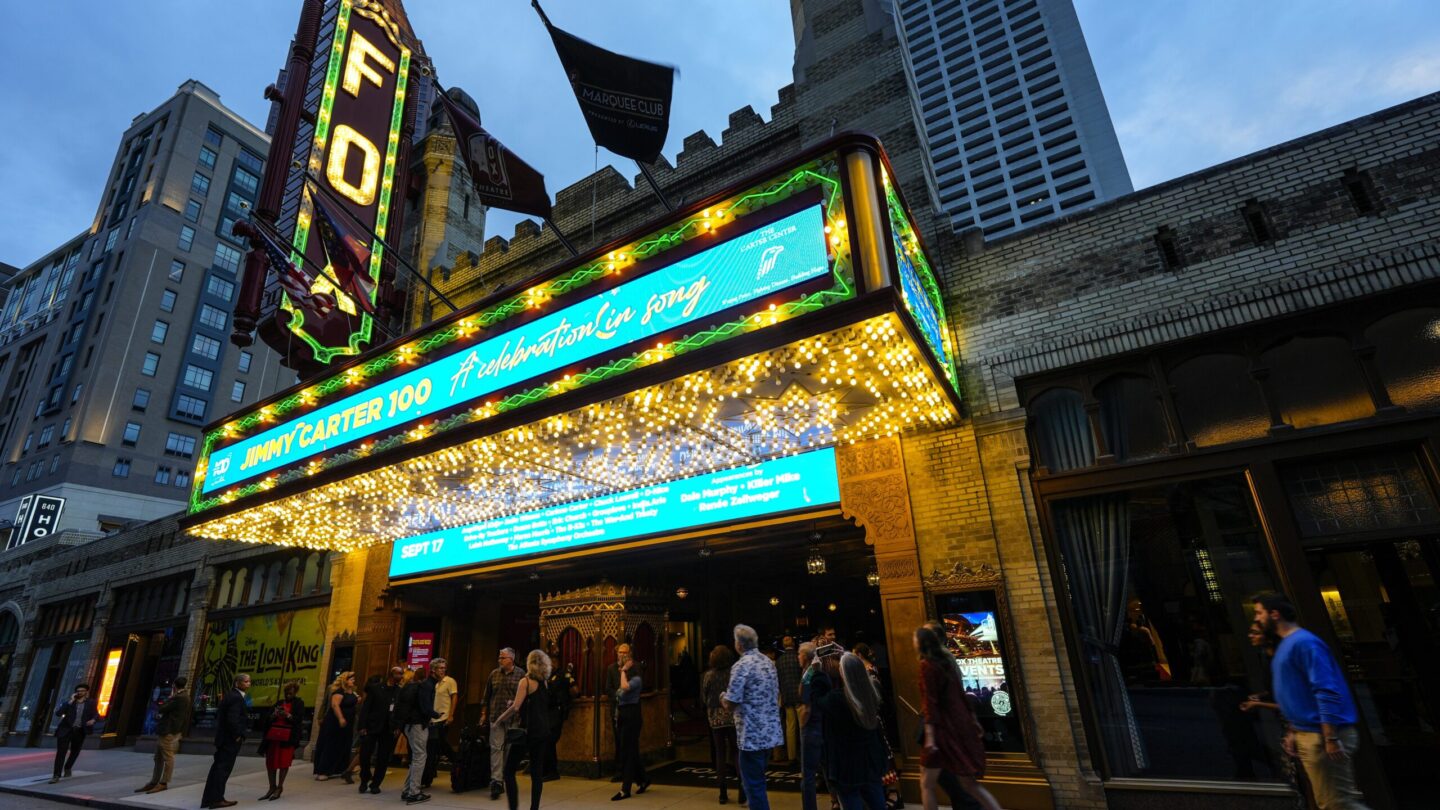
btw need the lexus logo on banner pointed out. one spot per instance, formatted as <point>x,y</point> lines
<point>38,516</point>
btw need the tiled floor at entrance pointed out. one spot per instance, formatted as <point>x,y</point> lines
<point>108,779</point>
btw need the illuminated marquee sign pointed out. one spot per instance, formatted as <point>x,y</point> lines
<point>107,681</point>
<point>354,156</point>
<point>746,267</point>
<point>793,483</point>
<point>918,287</point>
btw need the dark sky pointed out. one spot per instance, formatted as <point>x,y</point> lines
<point>1188,84</point>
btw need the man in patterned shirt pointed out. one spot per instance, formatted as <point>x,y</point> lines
<point>499,692</point>
<point>754,697</point>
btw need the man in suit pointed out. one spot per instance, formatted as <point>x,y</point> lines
<point>230,726</point>
<point>77,720</point>
<point>173,720</point>
<point>378,727</point>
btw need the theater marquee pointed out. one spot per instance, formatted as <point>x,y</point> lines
<point>778,318</point>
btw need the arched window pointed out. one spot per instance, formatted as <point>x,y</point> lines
<point>1061,431</point>
<point>222,591</point>
<point>257,584</point>
<point>312,573</point>
<point>1131,417</point>
<point>1315,380</point>
<point>290,579</point>
<point>572,652</point>
<point>9,629</point>
<point>237,593</point>
<point>275,575</point>
<point>326,566</point>
<point>1407,356</point>
<point>1219,402</point>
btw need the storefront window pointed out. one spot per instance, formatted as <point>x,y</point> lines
<point>1131,417</point>
<point>1218,401</point>
<point>975,631</point>
<point>77,666</point>
<point>1360,493</point>
<point>1159,580</point>
<point>30,697</point>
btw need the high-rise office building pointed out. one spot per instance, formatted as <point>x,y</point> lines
<point>114,347</point>
<point>1008,104</point>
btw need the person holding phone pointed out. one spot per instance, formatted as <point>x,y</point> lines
<point>77,720</point>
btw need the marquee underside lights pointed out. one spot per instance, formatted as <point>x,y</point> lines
<point>861,382</point>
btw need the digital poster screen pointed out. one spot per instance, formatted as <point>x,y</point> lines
<point>974,636</point>
<point>745,267</point>
<point>792,483</point>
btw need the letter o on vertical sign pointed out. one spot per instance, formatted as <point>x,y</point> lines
<point>345,136</point>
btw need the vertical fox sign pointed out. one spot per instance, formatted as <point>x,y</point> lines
<point>341,182</point>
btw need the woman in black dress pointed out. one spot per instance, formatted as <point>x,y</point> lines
<point>332,749</point>
<point>532,704</point>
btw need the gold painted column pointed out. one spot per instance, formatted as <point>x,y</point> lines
<point>875,494</point>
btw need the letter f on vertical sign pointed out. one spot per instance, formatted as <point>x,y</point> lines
<point>357,68</point>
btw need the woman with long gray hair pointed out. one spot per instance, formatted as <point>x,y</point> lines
<point>856,756</point>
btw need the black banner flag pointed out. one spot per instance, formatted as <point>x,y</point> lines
<point>626,101</point>
<point>501,179</point>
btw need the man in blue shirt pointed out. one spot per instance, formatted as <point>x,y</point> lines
<point>754,697</point>
<point>1316,702</point>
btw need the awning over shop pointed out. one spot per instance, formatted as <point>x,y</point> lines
<point>793,312</point>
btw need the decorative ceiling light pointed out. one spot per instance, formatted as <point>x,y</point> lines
<point>705,552</point>
<point>682,592</point>
<point>873,578</point>
<point>816,564</point>
<point>774,601</point>
<point>832,607</point>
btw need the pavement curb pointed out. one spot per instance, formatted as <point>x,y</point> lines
<point>79,800</point>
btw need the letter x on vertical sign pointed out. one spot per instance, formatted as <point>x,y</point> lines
<point>355,153</point>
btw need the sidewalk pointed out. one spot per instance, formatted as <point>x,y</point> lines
<point>107,779</point>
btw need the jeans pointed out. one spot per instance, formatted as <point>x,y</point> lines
<point>219,774</point>
<point>727,756</point>
<point>376,748</point>
<point>536,750</point>
<point>498,750</point>
<point>417,735</point>
<point>812,749</point>
<point>165,747</point>
<point>67,744</point>
<point>1333,783</point>
<point>861,797</point>
<point>752,778</point>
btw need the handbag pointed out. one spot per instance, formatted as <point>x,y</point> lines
<point>516,734</point>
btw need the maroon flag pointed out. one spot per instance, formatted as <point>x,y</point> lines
<point>502,179</point>
<point>293,280</point>
<point>348,255</point>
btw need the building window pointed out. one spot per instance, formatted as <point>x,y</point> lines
<point>250,160</point>
<point>159,331</point>
<point>162,474</point>
<point>237,391</point>
<point>1361,189</point>
<point>121,468</point>
<point>198,378</point>
<point>131,435</point>
<point>180,446</point>
<point>75,395</point>
<point>1407,356</point>
<point>187,238</point>
<point>226,257</point>
<point>1060,430</point>
<point>167,301</point>
<point>1131,417</point>
<point>46,435</point>
<point>177,270</point>
<point>199,185</point>
<point>243,364</point>
<point>152,362</point>
<point>192,211</point>
<point>213,317</point>
<point>188,407</point>
<point>250,183</point>
<point>29,440</point>
<point>1159,579</point>
<point>141,400</point>
<point>1257,220</point>
<point>1218,401</point>
<point>54,463</point>
<point>205,346</point>
<point>1315,380</point>
<point>15,479</point>
<point>213,137</point>
<point>220,288</point>
<point>112,238</point>
<point>1366,493</point>
<point>207,157</point>
<point>65,430</point>
<point>182,478</point>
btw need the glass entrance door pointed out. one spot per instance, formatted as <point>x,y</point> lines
<point>1384,605</point>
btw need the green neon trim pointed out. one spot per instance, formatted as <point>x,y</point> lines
<point>821,173</point>
<point>902,226</point>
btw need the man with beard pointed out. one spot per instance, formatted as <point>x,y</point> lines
<point>1316,702</point>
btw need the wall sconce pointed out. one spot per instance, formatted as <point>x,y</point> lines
<point>682,592</point>
<point>832,607</point>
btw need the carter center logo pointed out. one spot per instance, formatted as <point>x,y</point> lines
<point>768,259</point>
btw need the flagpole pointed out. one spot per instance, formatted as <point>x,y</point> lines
<point>393,252</point>
<point>259,224</point>
<point>564,240</point>
<point>654,186</point>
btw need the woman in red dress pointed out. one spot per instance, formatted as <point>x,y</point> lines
<point>281,737</point>
<point>953,737</point>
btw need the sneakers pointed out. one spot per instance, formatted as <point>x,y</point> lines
<point>415,798</point>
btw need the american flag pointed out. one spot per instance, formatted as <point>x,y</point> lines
<point>348,255</point>
<point>293,280</point>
